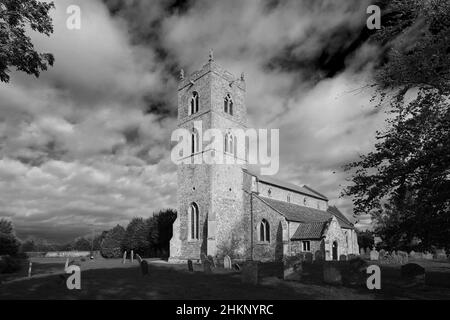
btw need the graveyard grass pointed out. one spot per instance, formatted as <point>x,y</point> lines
<point>110,279</point>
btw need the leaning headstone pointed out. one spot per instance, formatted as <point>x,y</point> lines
<point>374,255</point>
<point>342,257</point>
<point>190,266</point>
<point>138,257</point>
<point>124,260</point>
<point>250,272</point>
<point>227,262</point>
<point>413,274</point>
<point>207,267</point>
<point>308,257</point>
<point>144,267</point>
<point>331,274</point>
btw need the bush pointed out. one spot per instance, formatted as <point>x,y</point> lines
<point>9,264</point>
<point>9,245</point>
<point>111,244</point>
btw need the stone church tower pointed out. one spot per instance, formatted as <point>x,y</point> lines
<point>210,196</point>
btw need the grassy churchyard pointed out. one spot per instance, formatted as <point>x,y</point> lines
<point>110,279</point>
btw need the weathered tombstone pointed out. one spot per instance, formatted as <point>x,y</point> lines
<point>250,272</point>
<point>374,255</point>
<point>412,254</point>
<point>440,254</point>
<point>308,257</point>
<point>292,268</point>
<point>319,256</point>
<point>66,265</point>
<point>403,257</point>
<point>190,266</point>
<point>227,262</point>
<point>132,256</point>
<point>382,254</point>
<point>342,257</point>
<point>207,267</point>
<point>331,274</point>
<point>144,267</point>
<point>211,261</point>
<point>413,274</point>
<point>428,256</point>
<point>138,257</point>
<point>124,260</point>
<point>362,252</point>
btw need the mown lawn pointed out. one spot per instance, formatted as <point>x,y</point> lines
<point>110,279</point>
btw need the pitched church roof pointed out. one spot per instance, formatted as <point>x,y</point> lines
<point>286,185</point>
<point>309,231</point>
<point>297,213</point>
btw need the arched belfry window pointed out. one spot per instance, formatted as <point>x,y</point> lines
<point>194,103</point>
<point>228,104</point>
<point>229,143</point>
<point>264,231</point>
<point>194,222</point>
<point>194,142</point>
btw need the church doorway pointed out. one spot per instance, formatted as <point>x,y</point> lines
<point>335,250</point>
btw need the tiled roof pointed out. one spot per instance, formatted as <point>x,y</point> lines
<point>286,185</point>
<point>343,221</point>
<point>297,213</point>
<point>309,231</point>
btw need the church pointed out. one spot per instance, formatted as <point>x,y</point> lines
<point>231,209</point>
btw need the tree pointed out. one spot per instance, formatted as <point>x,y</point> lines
<point>405,182</point>
<point>16,48</point>
<point>82,244</point>
<point>29,246</point>
<point>136,237</point>
<point>365,239</point>
<point>111,244</point>
<point>165,219</point>
<point>9,245</point>
<point>6,226</point>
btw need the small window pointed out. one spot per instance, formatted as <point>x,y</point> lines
<point>306,246</point>
<point>228,104</point>
<point>229,143</point>
<point>194,143</point>
<point>194,103</point>
<point>264,231</point>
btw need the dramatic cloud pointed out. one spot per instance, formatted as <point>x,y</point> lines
<point>87,144</point>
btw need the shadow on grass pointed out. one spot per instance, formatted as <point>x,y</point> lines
<point>162,283</point>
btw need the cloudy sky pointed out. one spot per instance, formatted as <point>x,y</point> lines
<point>87,145</point>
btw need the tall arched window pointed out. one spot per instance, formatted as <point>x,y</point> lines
<point>194,222</point>
<point>194,103</point>
<point>264,231</point>
<point>194,142</point>
<point>228,104</point>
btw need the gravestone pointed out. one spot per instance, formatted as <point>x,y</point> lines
<point>132,256</point>
<point>428,256</point>
<point>352,256</point>
<point>211,261</point>
<point>227,262</point>
<point>413,274</point>
<point>440,254</point>
<point>236,267</point>
<point>374,255</point>
<point>403,257</point>
<point>331,274</point>
<point>124,260</point>
<point>308,257</point>
<point>362,252</point>
<point>342,257</point>
<point>382,254</point>
<point>144,267</point>
<point>207,267</point>
<point>190,266</point>
<point>138,257</point>
<point>250,272</point>
<point>412,254</point>
<point>66,265</point>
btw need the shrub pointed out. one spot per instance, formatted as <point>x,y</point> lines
<point>9,245</point>
<point>10,264</point>
<point>111,244</point>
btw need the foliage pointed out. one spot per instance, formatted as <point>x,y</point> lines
<point>136,237</point>
<point>111,244</point>
<point>405,182</point>
<point>9,245</point>
<point>10,264</point>
<point>365,239</point>
<point>16,48</point>
<point>82,244</point>
<point>160,231</point>
<point>6,226</point>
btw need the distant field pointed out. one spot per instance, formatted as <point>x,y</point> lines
<point>110,279</point>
